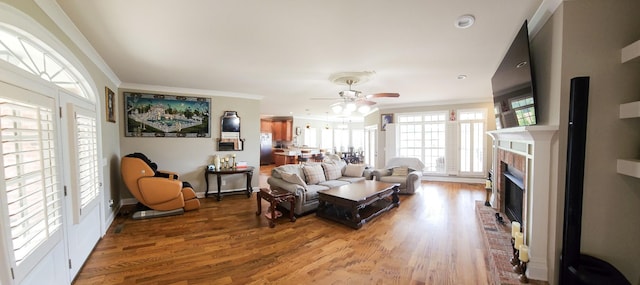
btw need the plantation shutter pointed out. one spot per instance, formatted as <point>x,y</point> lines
<point>86,180</point>
<point>29,175</point>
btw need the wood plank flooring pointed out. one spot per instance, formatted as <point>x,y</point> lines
<point>432,238</point>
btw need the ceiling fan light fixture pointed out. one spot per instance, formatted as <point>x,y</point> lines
<point>337,108</point>
<point>364,109</point>
<point>351,106</point>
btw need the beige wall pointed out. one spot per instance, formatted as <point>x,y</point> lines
<point>109,131</point>
<point>546,50</point>
<point>189,156</point>
<point>584,38</point>
<point>594,33</point>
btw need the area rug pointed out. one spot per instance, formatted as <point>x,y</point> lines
<point>497,238</point>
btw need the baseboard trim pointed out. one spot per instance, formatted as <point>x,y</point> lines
<point>199,195</point>
<point>472,180</point>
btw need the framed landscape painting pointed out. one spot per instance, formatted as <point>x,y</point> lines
<point>157,115</point>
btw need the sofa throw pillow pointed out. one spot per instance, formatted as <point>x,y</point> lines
<point>314,173</point>
<point>400,171</point>
<point>332,171</point>
<point>293,178</point>
<point>354,170</point>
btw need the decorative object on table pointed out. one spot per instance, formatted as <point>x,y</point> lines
<point>110,99</point>
<point>515,228</point>
<point>233,163</point>
<point>499,219</point>
<point>216,162</point>
<point>156,115</point>
<point>488,186</point>
<point>518,241</point>
<point>385,120</point>
<point>524,259</point>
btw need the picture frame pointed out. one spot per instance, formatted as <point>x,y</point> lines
<point>173,116</point>
<point>385,119</point>
<point>110,103</point>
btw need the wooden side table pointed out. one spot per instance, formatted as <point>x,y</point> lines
<point>275,197</point>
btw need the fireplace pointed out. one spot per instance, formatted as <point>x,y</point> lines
<point>513,195</point>
<point>526,153</point>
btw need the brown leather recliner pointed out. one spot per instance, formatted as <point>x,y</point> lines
<point>158,190</point>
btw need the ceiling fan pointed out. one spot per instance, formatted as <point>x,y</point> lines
<point>351,99</point>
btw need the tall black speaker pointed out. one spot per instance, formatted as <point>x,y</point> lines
<point>576,139</point>
<point>576,268</point>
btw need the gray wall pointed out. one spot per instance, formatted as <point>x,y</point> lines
<point>189,156</point>
<point>584,38</point>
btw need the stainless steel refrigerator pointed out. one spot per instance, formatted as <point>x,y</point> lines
<point>265,149</point>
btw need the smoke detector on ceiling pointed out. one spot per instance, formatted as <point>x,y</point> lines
<point>465,21</point>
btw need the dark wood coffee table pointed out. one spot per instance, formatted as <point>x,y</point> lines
<point>357,203</point>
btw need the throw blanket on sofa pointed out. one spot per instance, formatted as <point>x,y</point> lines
<point>411,162</point>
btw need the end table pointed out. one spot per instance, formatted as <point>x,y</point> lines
<point>275,197</point>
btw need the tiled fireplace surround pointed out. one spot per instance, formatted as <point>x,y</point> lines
<point>529,149</point>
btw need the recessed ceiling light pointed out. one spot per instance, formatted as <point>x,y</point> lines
<point>462,76</point>
<point>465,21</point>
<point>521,64</point>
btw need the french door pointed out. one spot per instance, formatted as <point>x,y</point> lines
<point>82,181</point>
<point>370,145</point>
<point>50,180</point>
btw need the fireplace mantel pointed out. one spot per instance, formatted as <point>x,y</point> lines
<point>525,134</point>
<point>535,143</point>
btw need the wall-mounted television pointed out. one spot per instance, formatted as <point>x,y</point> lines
<point>514,94</point>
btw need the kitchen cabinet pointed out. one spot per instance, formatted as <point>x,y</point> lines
<point>265,126</point>
<point>282,130</point>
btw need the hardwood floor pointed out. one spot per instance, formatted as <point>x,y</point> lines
<point>432,238</point>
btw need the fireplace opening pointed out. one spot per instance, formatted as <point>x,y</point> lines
<point>514,194</point>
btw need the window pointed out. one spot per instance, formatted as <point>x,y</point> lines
<point>445,145</point>
<point>341,142</point>
<point>423,136</point>
<point>41,61</point>
<point>326,139</point>
<point>472,141</point>
<point>86,162</point>
<point>525,112</point>
<point>310,137</point>
<point>29,165</point>
<point>357,139</point>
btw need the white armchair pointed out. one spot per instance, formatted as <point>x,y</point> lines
<point>404,170</point>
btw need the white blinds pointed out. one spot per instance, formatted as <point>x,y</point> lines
<point>87,185</point>
<point>27,133</point>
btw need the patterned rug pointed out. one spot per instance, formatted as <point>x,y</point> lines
<point>497,238</point>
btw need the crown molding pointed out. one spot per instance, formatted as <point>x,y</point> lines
<point>542,15</point>
<point>53,10</point>
<point>189,91</point>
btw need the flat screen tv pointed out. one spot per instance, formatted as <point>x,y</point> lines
<point>514,95</point>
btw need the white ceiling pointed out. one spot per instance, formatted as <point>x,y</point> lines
<point>284,50</point>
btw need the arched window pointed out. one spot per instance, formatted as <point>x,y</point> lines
<point>18,48</point>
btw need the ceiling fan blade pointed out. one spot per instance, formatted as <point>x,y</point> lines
<point>365,102</point>
<point>325,98</point>
<point>379,95</point>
